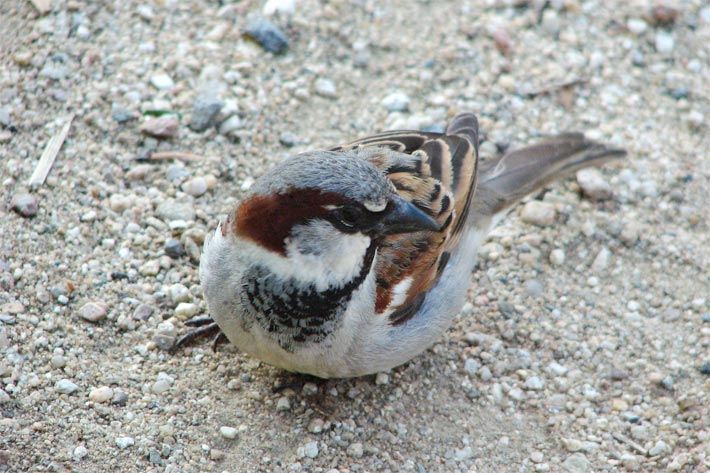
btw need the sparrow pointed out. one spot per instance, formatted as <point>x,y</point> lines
<point>353,260</point>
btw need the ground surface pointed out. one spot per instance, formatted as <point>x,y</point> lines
<point>597,361</point>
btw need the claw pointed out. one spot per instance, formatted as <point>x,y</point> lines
<point>204,326</point>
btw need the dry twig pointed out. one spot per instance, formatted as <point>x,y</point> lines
<point>49,154</point>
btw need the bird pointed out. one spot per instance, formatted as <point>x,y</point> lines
<point>353,260</point>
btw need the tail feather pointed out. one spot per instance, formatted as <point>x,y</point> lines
<point>504,181</point>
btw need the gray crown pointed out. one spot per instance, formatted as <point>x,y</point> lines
<point>346,173</point>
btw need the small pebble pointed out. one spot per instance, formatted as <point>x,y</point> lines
<point>325,88</point>
<point>576,463</point>
<point>280,7</point>
<point>4,397</point>
<point>534,383</point>
<point>593,184</point>
<point>396,102</point>
<point>204,111</point>
<point>124,442</point>
<point>283,404</point>
<point>705,368</point>
<point>173,210</point>
<point>311,449</point>
<point>195,186</point>
<point>355,450</point>
<point>471,366</point>
<point>636,26</point>
<point>266,34</point>
<point>101,394</point>
<point>231,125</point>
<point>93,311</point>
<point>166,126</point>
<point>538,213</point>
<point>659,448</point>
<point>150,268</point>
<point>315,426</point>
<point>80,452</point>
<point>25,204</point>
<point>162,81</point>
<point>65,386</point>
<point>228,432</point>
<point>664,42</point>
<point>557,256</point>
<point>173,248</point>
<point>185,310</point>
<point>382,379</point>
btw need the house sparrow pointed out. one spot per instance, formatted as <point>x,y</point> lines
<point>351,261</point>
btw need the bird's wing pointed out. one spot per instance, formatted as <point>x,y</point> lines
<point>437,173</point>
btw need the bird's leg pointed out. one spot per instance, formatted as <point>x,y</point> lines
<point>204,326</point>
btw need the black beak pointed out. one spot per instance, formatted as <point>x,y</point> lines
<point>404,217</point>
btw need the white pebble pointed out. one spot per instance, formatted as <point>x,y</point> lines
<point>65,386</point>
<point>80,452</point>
<point>593,184</point>
<point>283,404</point>
<point>282,7</point>
<point>636,26</point>
<point>311,449</point>
<point>325,88</point>
<point>162,81</point>
<point>534,383</point>
<point>228,432</point>
<point>396,102</point>
<point>195,186</point>
<point>186,310</point>
<point>471,366</point>
<point>101,394</point>
<point>557,256</point>
<point>124,442</point>
<point>382,379</point>
<point>664,42</point>
<point>538,213</point>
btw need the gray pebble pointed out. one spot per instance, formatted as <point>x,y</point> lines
<point>143,312</point>
<point>93,311</point>
<point>471,366</point>
<point>154,457</point>
<point>4,397</point>
<point>204,111</point>
<point>534,287</point>
<point>121,114</point>
<point>288,139</point>
<point>705,368</point>
<point>534,383</point>
<point>576,463</point>
<point>25,204</point>
<point>173,248</point>
<point>54,70</point>
<point>174,210</point>
<point>396,102</point>
<point>267,35</point>
<point>65,386</point>
<point>355,450</point>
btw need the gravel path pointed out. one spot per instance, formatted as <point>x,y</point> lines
<point>585,345</point>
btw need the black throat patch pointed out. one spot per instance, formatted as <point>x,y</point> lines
<point>295,313</point>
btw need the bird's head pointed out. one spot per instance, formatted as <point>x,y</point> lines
<point>321,213</point>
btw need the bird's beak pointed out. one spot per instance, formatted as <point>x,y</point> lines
<point>401,216</point>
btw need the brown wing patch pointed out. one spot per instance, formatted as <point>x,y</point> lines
<point>436,172</point>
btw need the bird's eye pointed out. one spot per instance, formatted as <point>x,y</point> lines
<point>349,216</point>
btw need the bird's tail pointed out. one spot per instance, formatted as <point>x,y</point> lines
<point>504,181</point>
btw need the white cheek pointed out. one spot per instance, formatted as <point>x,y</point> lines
<point>338,262</point>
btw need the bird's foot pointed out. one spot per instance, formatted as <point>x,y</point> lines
<point>204,326</point>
